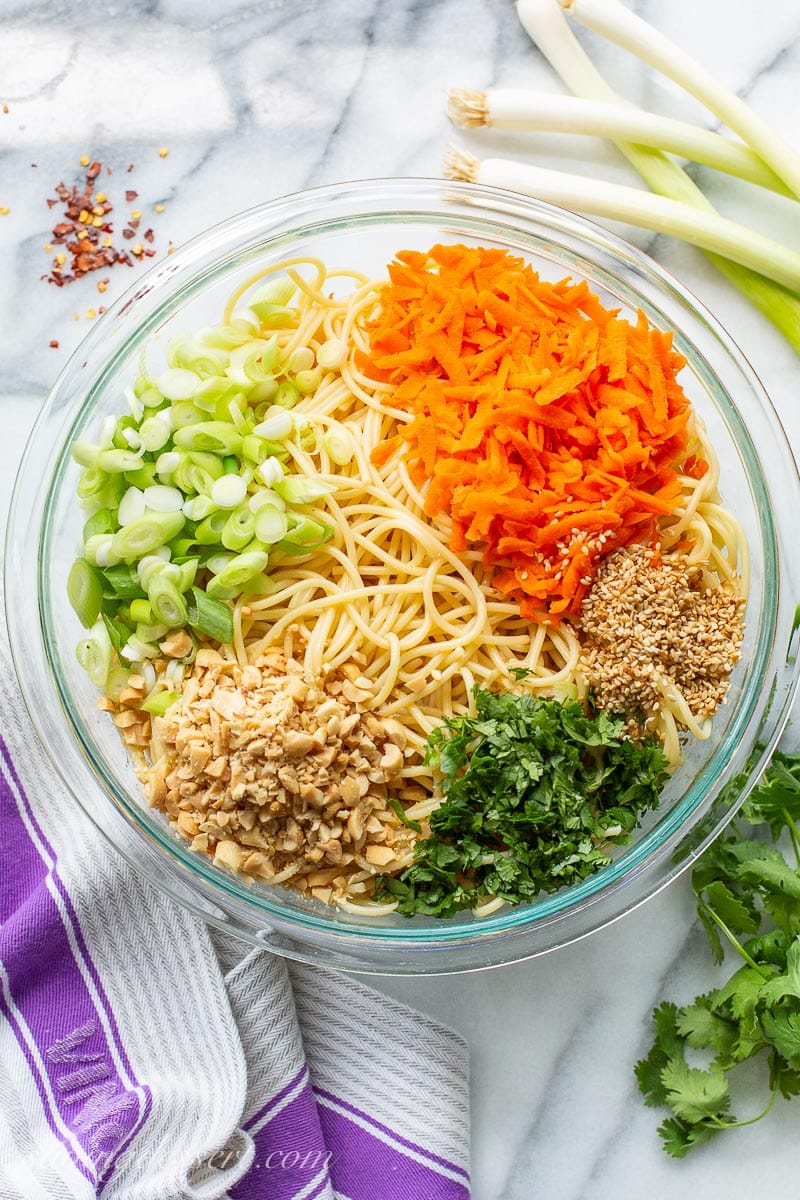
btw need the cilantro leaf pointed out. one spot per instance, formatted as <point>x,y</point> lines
<point>783,1030</point>
<point>704,1029</point>
<point>534,791</point>
<point>678,1138</point>
<point>693,1094</point>
<point>668,1044</point>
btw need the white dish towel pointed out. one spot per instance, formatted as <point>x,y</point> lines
<point>143,1059</point>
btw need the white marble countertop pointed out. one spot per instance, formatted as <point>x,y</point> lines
<point>262,97</point>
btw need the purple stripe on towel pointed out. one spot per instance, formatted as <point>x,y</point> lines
<point>260,1113</point>
<point>88,1104</point>
<point>290,1153</point>
<point>421,1150</point>
<point>363,1166</point>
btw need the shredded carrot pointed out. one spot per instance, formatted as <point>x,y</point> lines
<point>548,428</point>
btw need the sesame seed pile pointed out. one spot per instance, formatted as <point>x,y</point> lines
<point>649,624</point>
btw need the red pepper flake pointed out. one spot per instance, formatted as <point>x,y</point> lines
<point>54,344</point>
<point>130,168</point>
<point>148,235</point>
<point>85,230</point>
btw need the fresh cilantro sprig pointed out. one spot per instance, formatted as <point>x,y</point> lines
<point>534,792</point>
<point>748,897</point>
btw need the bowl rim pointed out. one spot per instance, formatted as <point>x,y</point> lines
<point>468,945</point>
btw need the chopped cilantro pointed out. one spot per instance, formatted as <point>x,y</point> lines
<point>534,790</point>
<point>748,897</point>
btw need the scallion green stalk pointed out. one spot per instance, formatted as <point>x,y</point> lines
<point>545,23</point>
<point>612,20</point>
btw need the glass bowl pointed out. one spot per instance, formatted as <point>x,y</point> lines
<point>362,225</point>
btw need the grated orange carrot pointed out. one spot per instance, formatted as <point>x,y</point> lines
<point>547,427</point>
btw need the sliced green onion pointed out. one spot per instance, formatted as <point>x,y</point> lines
<point>117,630</point>
<point>254,448</point>
<point>301,360</point>
<point>260,585</point>
<point>332,354</point>
<point>132,506</point>
<point>188,573</point>
<point>217,592</point>
<point>141,612</point>
<point>100,551</point>
<point>161,498</point>
<point>168,461</point>
<point>271,524</point>
<point>243,567</point>
<point>85,591</point>
<point>177,383</point>
<point>339,444</point>
<point>270,300</point>
<point>307,533</point>
<point>166,601</point>
<point>198,508</point>
<point>220,560</point>
<point>94,653</point>
<point>209,531</point>
<point>210,616</point>
<point>116,682</point>
<point>271,471</point>
<point>124,582</point>
<point>147,534</point>
<point>116,461</point>
<point>238,529</point>
<point>152,632</point>
<point>277,425</point>
<point>184,414</point>
<point>265,496</point>
<point>100,522</point>
<point>307,382</point>
<point>286,394</point>
<point>158,702</point>
<point>152,565</point>
<point>135,650</point>
<point>143,477</point>
<point>92,481</point>
<point>298,489</point>
<point>154,433</point>
<point>229,491</point>
<point>214,436</point>
<point>85,453</point>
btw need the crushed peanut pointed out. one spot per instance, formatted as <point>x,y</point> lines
<point>278,777</point>
<point>648,621</point>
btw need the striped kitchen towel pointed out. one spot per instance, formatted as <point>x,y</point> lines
<point>143,1058</point>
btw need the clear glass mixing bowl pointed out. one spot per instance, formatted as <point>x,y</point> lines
<point>362,225</point>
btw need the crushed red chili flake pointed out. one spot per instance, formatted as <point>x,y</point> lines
<point>54,344</point>
<point>85,230</point>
